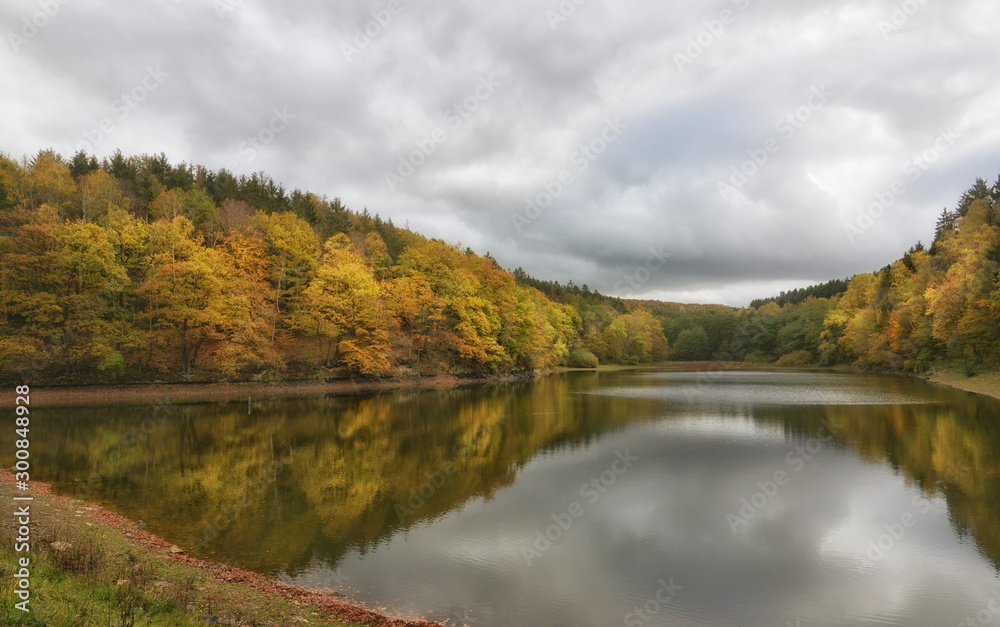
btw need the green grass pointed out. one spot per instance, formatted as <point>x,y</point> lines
<point>982,383</point>
<point>104,579</point>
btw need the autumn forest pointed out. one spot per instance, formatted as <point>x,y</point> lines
<point>134,269</point>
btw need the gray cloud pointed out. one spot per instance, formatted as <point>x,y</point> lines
<point>361,106</point>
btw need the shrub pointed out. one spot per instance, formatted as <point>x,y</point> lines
<point>80,555</point>
<point>581,358</point>
<point>967,367</point>
<point>798,358</point>
<point>758,357</point>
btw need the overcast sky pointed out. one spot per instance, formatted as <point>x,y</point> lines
<point>592,140</point>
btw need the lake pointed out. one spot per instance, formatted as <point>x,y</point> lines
<point>580,499</point>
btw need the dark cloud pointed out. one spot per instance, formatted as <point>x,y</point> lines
<point>363,104</point>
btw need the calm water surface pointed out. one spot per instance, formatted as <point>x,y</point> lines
<point>739,498</point>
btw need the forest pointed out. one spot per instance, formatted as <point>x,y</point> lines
<point>135,269</point>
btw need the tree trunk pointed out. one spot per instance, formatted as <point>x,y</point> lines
<point>277,301</point>
<point>319,347</point>
<point>409,349</point>
<point>184,350</point>
<point>326,358</point>
<point>194,354</point>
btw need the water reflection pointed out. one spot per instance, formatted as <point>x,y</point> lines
<point>434,503</point>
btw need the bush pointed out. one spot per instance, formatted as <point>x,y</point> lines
<point>581,358</point>
<point>758,357</point>
<point>80,555</point>
<point>798,358</point>
<point>967,367</point>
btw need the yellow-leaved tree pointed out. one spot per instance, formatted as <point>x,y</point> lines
<point>183,291</point>
<point>341,307</point>
<point>292,257</point>
<point>246,307</point>
<point>960,301</point>
<point>417,311</point>
<point>635,338</point>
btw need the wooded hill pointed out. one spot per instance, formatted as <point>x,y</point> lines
<point>133,269</point>
<point>136,269</point>
<point>936,307</point>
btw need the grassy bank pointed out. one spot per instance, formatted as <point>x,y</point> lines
<point>89,567</point>
<point>987,383</point>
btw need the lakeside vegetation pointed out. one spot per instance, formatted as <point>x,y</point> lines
<point>135,269</point>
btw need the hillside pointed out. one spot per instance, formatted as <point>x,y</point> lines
<point>134,269</point>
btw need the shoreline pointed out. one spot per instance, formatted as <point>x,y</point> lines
<point>222,391</point>
<point>90,518</point>
<point>170,392</point>
<point>987,383</point>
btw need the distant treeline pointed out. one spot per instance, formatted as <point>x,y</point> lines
<point>829,289</point>
<point>132,269</point>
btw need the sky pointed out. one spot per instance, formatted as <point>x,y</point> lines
<point>709,152</point>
